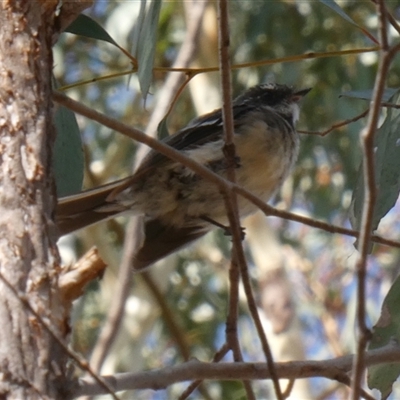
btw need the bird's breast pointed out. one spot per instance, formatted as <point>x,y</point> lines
<point>267,154</point>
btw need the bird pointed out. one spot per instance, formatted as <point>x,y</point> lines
<point>179,206</point>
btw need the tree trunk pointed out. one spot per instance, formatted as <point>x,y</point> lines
<point>32,364</point>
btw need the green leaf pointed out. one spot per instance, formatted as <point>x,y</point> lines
<point>88,27</point>
<point>335,7</point>
<point>367,94</point>
<point>162,129</point>
<point>387,328</point>
<point>387,167</point>
<point>68,159</point>
<point>145,42</point>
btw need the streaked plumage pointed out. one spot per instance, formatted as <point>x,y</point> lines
<point>173,199</point>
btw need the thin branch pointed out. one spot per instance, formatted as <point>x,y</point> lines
<point>206,173</point>
<point>334,369</point>
<point>219,355</point>
<point>289,388</point>
<point>346,121</point>
<point>231,198</point>
<point>141,137</point>
<point>382,28</point>
<point>393,21</point>
<point>260,330</point>
<point>390,105</point>
<point>337,125</point>
<point>271,211</point>
<point>195,71</point>
<point>231,319</point>
<point>367,138</point>
<point>311,55</point>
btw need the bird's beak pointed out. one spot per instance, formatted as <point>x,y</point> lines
<point>300,94</point>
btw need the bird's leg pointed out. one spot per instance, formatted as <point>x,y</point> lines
<point>227,229</point>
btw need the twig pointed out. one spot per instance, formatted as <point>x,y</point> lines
<point>260,330</point>
<point>390,105</point>
<point>337,125</point>
<point>195,71</point>
<point>231,319</point>
<point>334,369</point>
<point>393,21</point>
<point>289,388</point>
<point>230,198</point>
<point>367,138</point>
<point>346,122</point>
<point>219,355</point>
<point>298,57</point>
<point>206,173</point>
<point>271,211</point>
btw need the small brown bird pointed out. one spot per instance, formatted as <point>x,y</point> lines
<point>180,206</point>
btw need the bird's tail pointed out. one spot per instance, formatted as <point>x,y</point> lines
<point>86,208</point>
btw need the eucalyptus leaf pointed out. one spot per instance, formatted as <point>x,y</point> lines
<point>68,161</point>
<point>387,328</point>
<point>88,27</point>
<point>335,7</point>
<point>387,167</point>
<point>162,129</point>
<point>367,94</point>
<point>145,41</point>
<point>338,10</point>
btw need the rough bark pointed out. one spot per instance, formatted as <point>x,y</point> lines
<point>32,365</point>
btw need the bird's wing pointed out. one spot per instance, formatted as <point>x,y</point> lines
<point>205,129</point>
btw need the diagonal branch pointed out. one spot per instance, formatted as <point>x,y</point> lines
<point>367,139</point>
<point>238,263</point>
<point>206,173</point>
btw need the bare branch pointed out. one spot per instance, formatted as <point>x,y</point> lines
<point>206,173</point>
<point>237,263</point>
<point>334,369</point>
<point>219,355</point>
<point>195,71</point>
<point>337,125</point>
<point>367,138</point>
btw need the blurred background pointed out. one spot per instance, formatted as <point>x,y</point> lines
<point>304,278</point>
